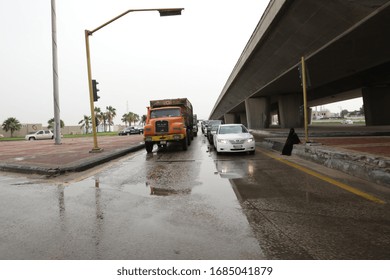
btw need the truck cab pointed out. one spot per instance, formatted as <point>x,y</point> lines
<point>168,120</point>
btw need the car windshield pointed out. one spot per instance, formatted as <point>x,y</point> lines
<point>214,127</point>
<point>229,129</point>
<point>214,122</point>
<point>165,113</point>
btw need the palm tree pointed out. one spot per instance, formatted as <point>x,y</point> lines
<point>51,123</point>
<point>135,118</point>
<point>98,118</point>
<point>143,119</point>
<point>110,114</point>
<point>125,118</point>
<point>103,119</point>
<point>85,123</point>
<point>130,118</point>
<point>11,124</point>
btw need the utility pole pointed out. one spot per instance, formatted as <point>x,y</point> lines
<point>57,118</point>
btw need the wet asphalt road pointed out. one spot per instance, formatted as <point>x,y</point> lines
<point>192,205</point>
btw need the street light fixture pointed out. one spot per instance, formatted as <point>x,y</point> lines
<point>163,12</point>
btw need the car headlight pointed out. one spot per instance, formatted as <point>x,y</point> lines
<point>250,140</point>
<point>223,141</point>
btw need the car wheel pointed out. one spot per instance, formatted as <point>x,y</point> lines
<point>188,137</point>
<point>252,152</point>
<point>216,149</point>
<point>31,138</point>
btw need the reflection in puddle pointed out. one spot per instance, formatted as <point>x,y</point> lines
<point>147,190</point>
<point>166,192</point>
<point>233,169</point>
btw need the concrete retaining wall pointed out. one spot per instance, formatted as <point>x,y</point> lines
<point>365,166</point>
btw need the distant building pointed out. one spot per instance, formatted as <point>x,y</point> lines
<point>321,114</point>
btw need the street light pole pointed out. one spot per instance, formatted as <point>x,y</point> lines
<point>304,87</point>
<point>163,12</point>
<point>57,118</point>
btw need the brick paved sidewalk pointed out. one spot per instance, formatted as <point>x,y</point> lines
<point>73,154</point>
<point>375,145</point>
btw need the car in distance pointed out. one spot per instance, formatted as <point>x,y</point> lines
<point>208,126</point>
<point>347,122</point>
<point>233,138</point>
<point>141,129</point>
<point>130,130</point>
<point>211,131</point>
<point>40,135</point>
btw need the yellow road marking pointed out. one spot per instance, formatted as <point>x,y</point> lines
<point>327,179</point>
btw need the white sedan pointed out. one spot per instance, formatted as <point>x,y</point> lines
<point>234,138</point>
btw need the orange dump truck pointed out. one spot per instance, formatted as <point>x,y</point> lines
<point>169,120</point>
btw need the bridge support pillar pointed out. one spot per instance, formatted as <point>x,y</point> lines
<point>257,112</point>
<point>229,118</point>
<point>243,119</point>
<point>290,115</point>
<point>376,105</point>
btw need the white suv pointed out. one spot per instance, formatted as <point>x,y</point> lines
<point>39,135</point>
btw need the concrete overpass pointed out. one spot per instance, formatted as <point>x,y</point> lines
<point>346,45</point>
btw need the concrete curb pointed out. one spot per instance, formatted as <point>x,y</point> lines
<point>365,166</point>
<point>77,167</point>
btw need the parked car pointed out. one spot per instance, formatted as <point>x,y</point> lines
<point>208,126</point>
<point>141,129</point>
<point>130,130</point>
<point>211,131</point>
<point>195,125</point>
<point>347,122</point>
<point>40,135</point>
<point>234,138</point>
<point>203,126</point>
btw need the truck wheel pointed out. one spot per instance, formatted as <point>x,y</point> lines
<point>148,147</point>
<point>185,144</point>
<point>188,139</point>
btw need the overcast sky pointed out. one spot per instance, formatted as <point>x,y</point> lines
<point>135,59</point>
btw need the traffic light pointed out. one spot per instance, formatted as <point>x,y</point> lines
<point>95,90</point>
